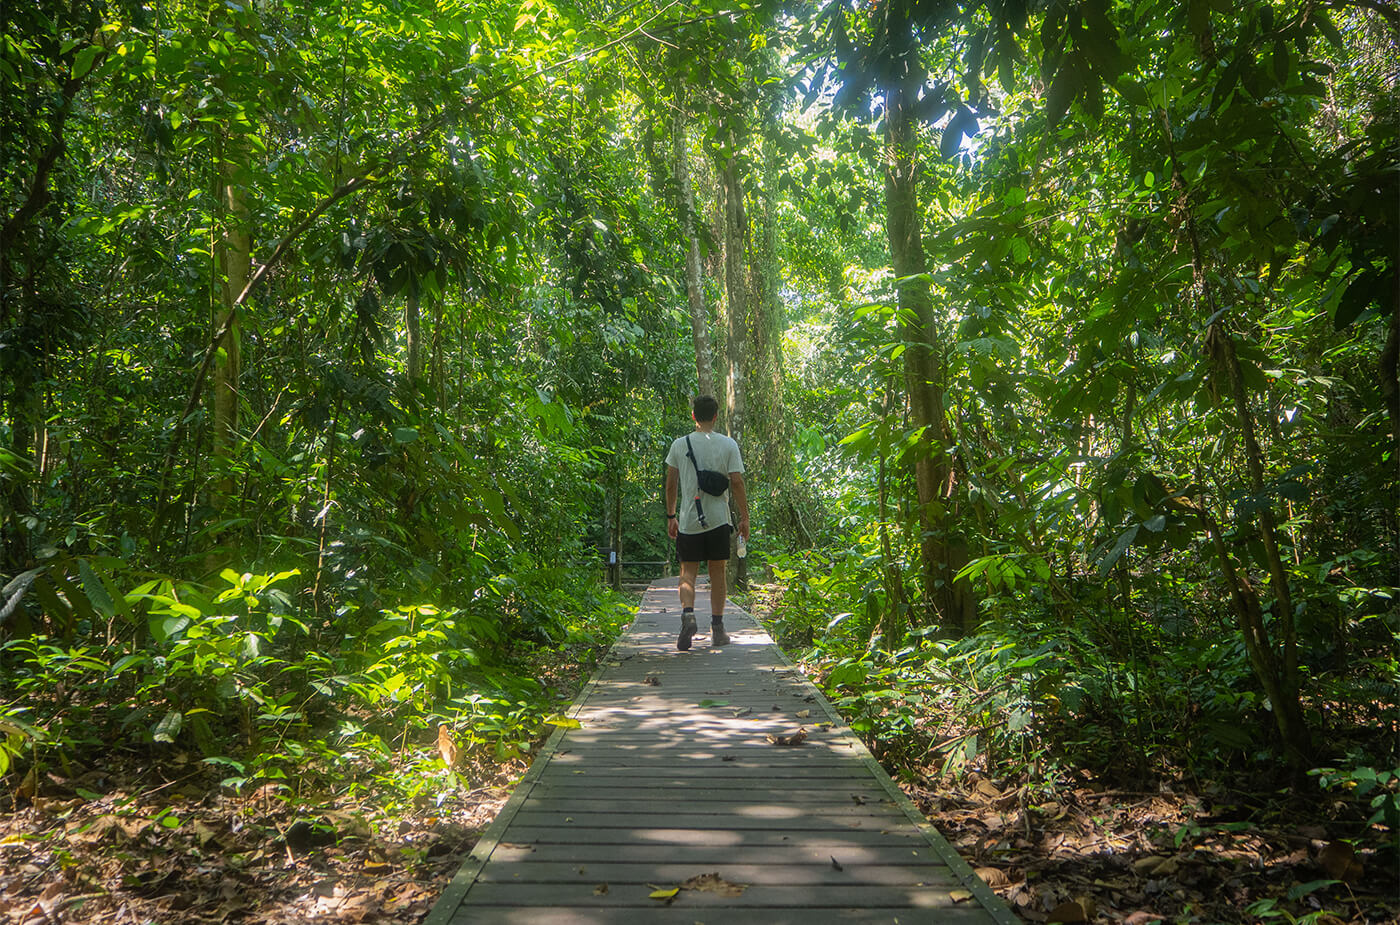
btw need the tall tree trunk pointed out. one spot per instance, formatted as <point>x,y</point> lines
<point>694,278</point>
<point>768,419</point>
<point>235,265</point>
<point>947,601</point>
<point>737,294</point>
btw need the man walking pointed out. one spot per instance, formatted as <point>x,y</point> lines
<point>700,525</point>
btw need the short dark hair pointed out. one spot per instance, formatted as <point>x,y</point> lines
<point>706,408</point>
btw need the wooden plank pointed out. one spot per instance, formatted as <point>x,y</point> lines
<point>708,856</point>
<point>819,819</point>
<point>615,873</point>
<point>585,895</point>
<point>671,773</point>
<point>675,835</point>
<point>680,914</point>
<point>741,805</point>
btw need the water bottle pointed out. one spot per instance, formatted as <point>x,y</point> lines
<point>743,547</point>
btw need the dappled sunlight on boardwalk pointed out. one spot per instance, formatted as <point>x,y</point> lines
<point>709,785</point>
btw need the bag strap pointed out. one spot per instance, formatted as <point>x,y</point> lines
<point>699,508</point>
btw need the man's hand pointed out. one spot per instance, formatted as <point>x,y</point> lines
<point>740,490</point>
<point>672,527</point>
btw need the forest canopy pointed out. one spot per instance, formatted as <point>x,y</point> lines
<point>341,343</point>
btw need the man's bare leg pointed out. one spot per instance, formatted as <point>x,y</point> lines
<point>719,591</point>
<point>689,570</point>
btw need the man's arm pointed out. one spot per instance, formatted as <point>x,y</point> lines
<point>741,501</point>
<point>672,489</point>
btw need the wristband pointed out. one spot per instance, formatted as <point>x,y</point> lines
<point>670,516</point>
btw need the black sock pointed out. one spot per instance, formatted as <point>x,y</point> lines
<point>685,610</point>
<point>717,618</point>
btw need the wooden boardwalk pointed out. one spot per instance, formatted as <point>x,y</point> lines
<point>672,776</point>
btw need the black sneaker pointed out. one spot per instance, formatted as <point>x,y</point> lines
<point>687,631</point>
<point>718,637</point>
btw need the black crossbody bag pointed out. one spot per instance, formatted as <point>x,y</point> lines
<point>708,480</point>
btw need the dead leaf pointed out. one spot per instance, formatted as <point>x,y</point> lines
<point>835,864</point>
<point>203,833</point>
<point>803,714</point>
<point>446,747</point>
<point>652,680</point>
<point>666,895</point>
<point>994,877</point>
<point>988,790</point>
<point>29,784</point>
<point>1148,865</point>
<point>1075,910</point>
<point>796,738</point>
<point>959,896</point>
<point>600,890</point>
<point>714,883</point>
<point>1339,860</point>
<point>1141,917</point>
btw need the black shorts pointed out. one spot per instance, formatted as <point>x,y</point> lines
<point>704,547</point>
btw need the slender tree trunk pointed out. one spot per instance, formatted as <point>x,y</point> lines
<point>1390,376</point>
<point>694,276</point>
<point>1277,671</point>
<point>894,621</point>
<point>949,602</point>
<point>413,327</point>
<point>1289,711</point>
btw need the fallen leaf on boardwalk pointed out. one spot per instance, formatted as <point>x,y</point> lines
<point>858,799</point>
<point>512,846</point>
<point>665,894</point>
<point>959,896</point>
<point>652,680</point>
<point>600,890</point>
<point>836,865</point>
<point>744,712</point>
<point>714,703</point>
<point>714,883</point>
<point>803,714</point>
<point>446,747</point>
<point>727,758</point>
<point>796,738</point>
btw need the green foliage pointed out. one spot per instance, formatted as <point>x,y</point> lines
<point>1377,789</point>
<point>228,671</point>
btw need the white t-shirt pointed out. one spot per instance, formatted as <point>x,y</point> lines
<point>712,451</point>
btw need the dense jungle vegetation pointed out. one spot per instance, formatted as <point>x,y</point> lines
<point>340,341</point>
